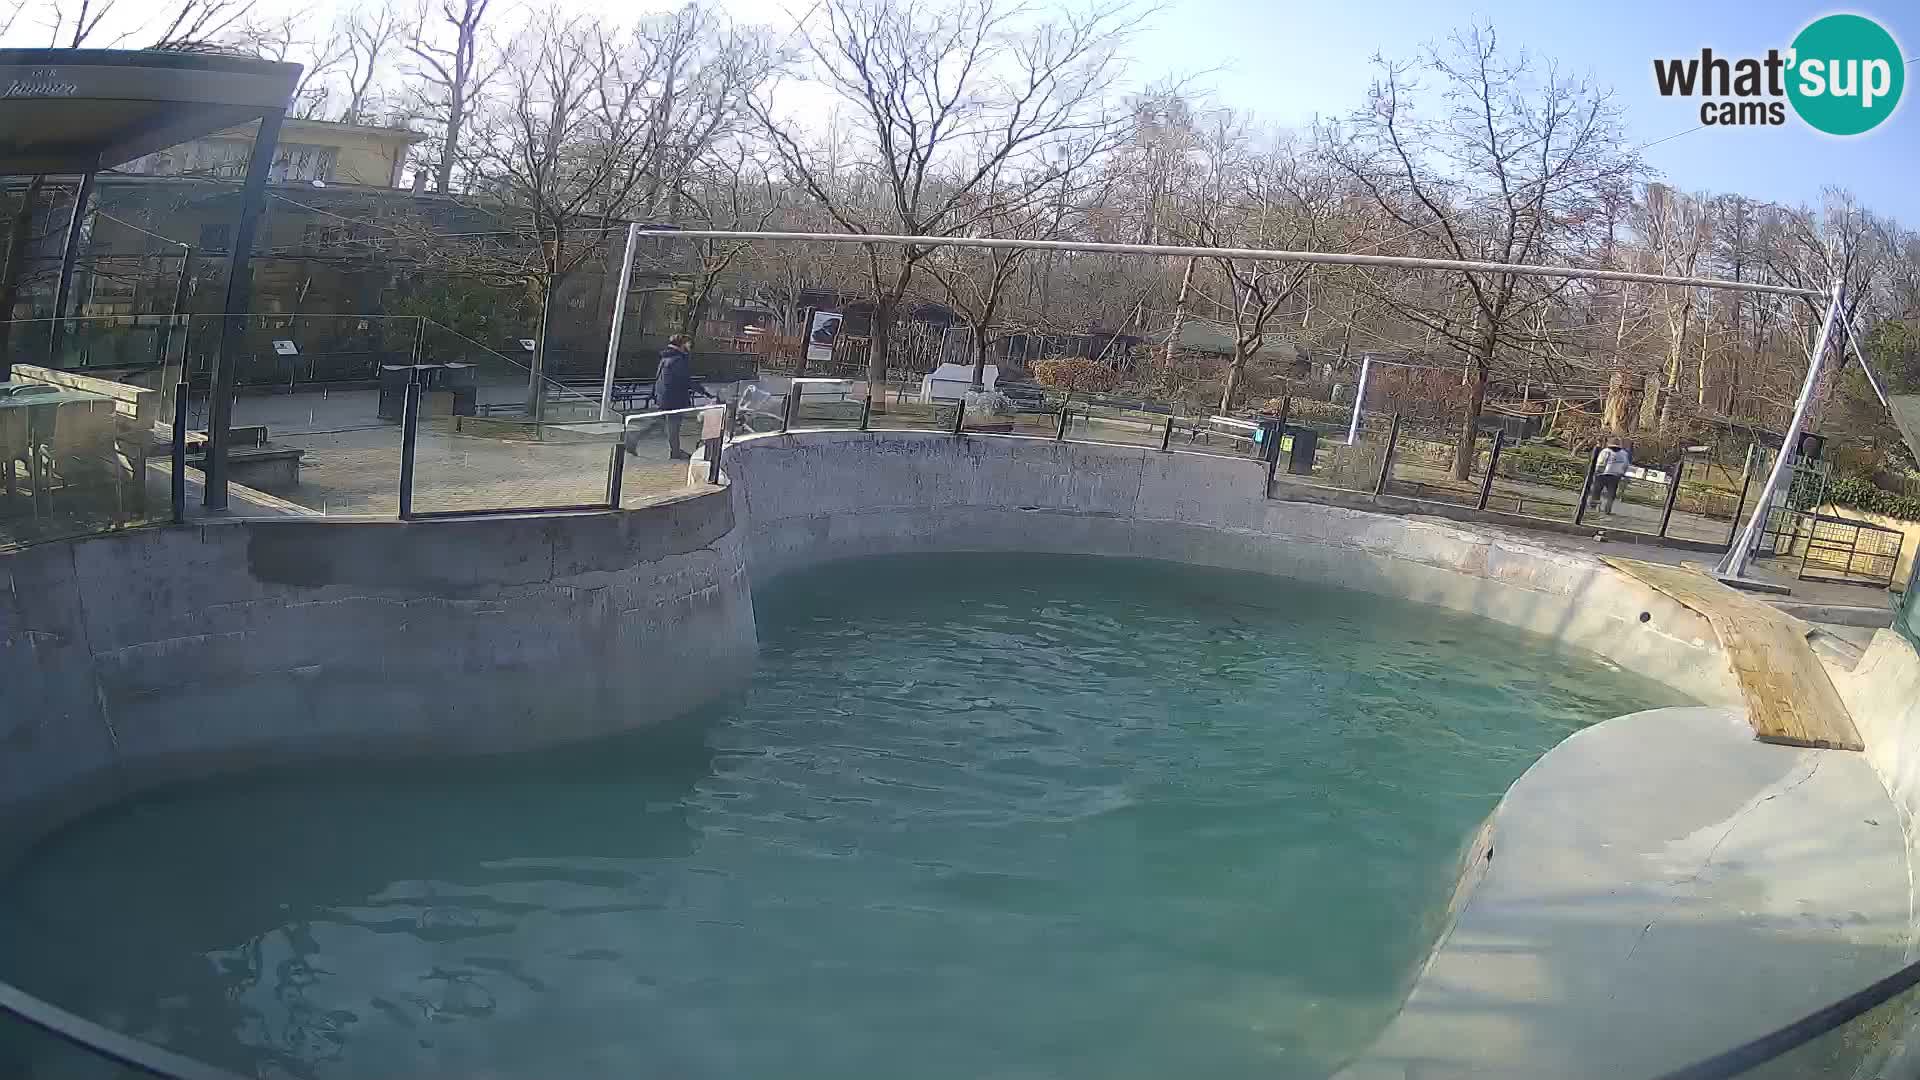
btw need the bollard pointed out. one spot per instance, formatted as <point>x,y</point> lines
<point>1386,460</point>
<point>1166,435</point>
<point>1586,488</point>
<point>179,454</point>
<point>1060,433</point>
<point>1673,493</point>
<point>409,441</point>
<point>1746,480</point>
<point>616,470</point>
<point>1493,462</point>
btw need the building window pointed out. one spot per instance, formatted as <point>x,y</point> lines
<point>300,161</point>
<point>215,237</point>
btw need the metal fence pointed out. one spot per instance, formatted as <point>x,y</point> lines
<point>1682,501</point>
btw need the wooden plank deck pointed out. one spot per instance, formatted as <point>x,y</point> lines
<point>1789,697</point>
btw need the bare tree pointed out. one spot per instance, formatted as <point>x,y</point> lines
<point>560,151</point>
<point>451,72</point>
<point>369,34</point>
<point>944,99</point>
<point>1511,170</point>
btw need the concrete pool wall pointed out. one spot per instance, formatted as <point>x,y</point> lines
<point>139,657</point>
<point>136,658</point>
<point>809,497</point>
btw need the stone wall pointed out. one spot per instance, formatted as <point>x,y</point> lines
<point>815,496</point>
<point>156,654</point>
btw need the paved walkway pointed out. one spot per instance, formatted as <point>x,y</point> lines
<point>352,464</point>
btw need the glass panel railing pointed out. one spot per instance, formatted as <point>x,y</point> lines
<point>825,403</point>
<point>902,406</point>
<point>480,464</point>
<point>670,452</point>
<point>1102,424</point>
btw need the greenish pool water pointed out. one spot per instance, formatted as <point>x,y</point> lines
<point>975,817</point>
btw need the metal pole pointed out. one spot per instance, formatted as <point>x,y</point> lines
<point>68,256</point>
<point>866,411</point>
<point>409,442</point>
<point>178,453</point>
<point>616,470</point>
<point>179,306</point>
<point>1359,398</point>
<point>715,447</point>
<point>1586,487</point>
<point>619,317</point>
<point>1328,258</point>
<point>959,414</point>
<point>233,321</point>
<point>1166,434</point>
<point>793,400</point>
<point>1734,564</point>
<point>1746,478</point>
<point>1673,493</point>
<point>1060,433</point>
<point>1493,462</point>
<point>1386,460</point>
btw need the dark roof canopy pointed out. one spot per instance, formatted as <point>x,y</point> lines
<point>83,110</point>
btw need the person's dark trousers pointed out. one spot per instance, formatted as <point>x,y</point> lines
<point>673,435</point>
<point>1608,490</point>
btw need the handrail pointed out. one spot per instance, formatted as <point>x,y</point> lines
<point>105,1042</point>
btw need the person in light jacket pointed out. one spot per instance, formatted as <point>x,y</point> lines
<point>1608,472</point>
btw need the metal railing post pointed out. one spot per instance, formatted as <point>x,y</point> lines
<point>617,470</point>
<point>1493,462</point>
<point>1746,480</point>
<point>178,453</point>
<point>715,447</point>
<point>1586,488</point>
<point>959,414</point>
<point>1386,460</point>
<point>866,412</point>
<point>1166,435</point>
<point>793,401</point>
<point>1673,494</point>
<point>1060,433</point>
<point>409,442</point>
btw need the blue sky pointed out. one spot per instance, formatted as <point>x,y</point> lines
<point>1289,61</point>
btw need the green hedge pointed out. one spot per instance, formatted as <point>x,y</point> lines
<point>1861,493</point>
<point>1547,464</point>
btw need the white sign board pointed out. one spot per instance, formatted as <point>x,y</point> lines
<point>822,331</point>
<point>285,348</point>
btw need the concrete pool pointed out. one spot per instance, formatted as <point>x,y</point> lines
<point>135,651</point>
<point>974,814</point>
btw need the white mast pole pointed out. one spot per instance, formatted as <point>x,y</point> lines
<point>619,316</point>
<point>1734,564</point>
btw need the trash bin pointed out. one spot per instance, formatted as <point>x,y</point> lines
<point>1267,438</point>
<point>1300,455</point>
<point>464,383</point>
<point>393,392</point>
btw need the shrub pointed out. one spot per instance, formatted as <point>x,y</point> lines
<point>1861,493</point>
<point>1075,373</point>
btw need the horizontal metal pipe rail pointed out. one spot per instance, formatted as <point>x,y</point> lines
<point>1330,258</point>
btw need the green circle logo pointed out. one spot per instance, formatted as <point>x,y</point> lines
<point>1846,76</point>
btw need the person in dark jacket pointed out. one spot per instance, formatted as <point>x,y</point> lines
<point>674,387</point>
